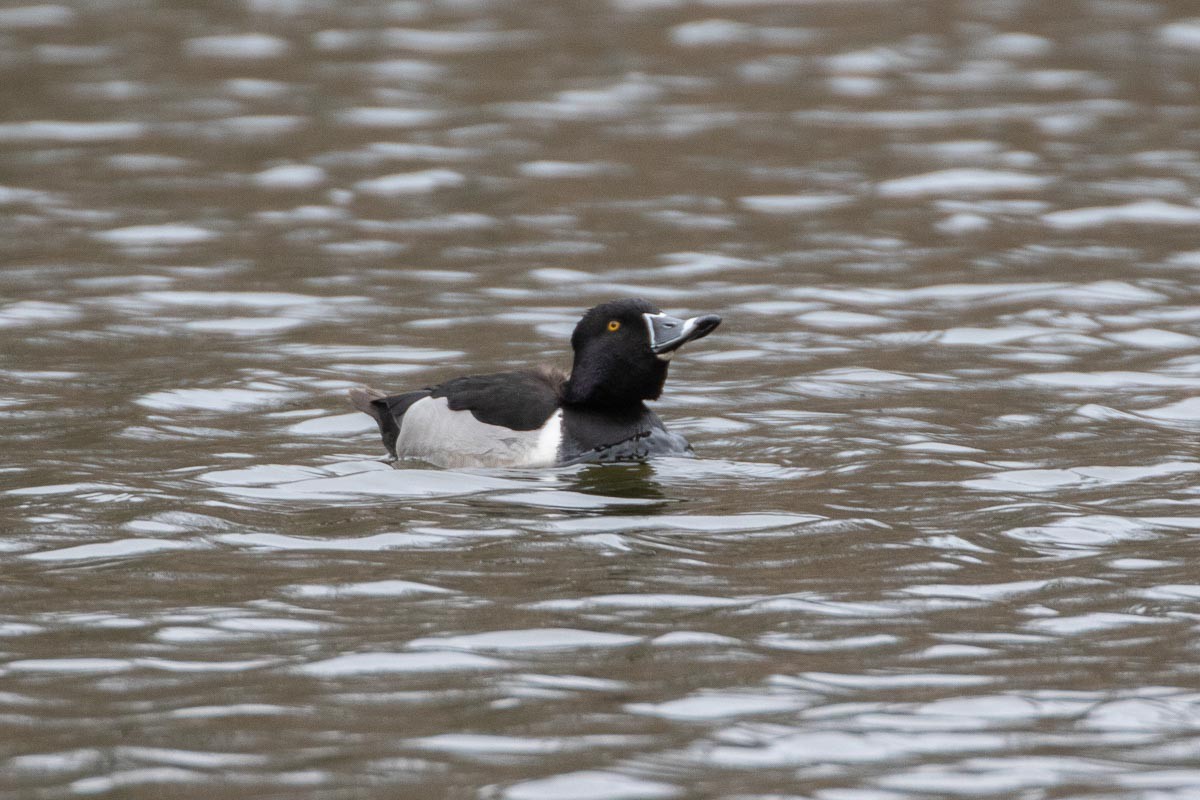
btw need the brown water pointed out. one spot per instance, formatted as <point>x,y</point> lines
<point>940,540</point>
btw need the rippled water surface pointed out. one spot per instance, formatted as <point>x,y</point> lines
<point>940,539</point>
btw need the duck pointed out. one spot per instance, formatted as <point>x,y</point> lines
<point>542,416</point>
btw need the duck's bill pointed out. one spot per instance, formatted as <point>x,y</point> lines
<point>668,334</point>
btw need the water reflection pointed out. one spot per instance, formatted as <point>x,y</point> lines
<point>630,481</point>
<point>936,539</point>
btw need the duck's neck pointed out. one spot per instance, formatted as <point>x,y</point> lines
<point>586,395</point>
<point>601,383</point>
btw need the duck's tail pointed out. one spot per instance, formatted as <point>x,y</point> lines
<point>363,398</point>
<point>387,410</point>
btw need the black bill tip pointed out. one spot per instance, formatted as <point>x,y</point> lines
<point>668,334</point>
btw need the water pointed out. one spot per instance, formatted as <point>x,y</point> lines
<point>938,541</point>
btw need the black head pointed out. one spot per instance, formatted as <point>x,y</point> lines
<point>622,351</point>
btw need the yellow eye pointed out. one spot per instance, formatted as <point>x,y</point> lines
<point>613,325</point>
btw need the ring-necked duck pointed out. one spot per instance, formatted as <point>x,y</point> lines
<point>541,417</point>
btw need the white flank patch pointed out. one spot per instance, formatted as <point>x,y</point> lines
<point>550,437</point>
<point>432,432</point>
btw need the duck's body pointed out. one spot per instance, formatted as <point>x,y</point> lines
<point>542,417</point>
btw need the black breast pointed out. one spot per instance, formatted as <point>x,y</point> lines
<point>631,436</point>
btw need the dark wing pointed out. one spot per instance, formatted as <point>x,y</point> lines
<point>520,401</point>
<point>386,410</point>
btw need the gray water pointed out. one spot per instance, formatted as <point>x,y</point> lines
<point>940,537</point>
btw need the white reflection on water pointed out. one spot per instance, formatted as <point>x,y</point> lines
<point>937,536</point>
<point>591,785</point>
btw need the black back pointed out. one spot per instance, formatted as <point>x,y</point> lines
<point>519,401</point>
